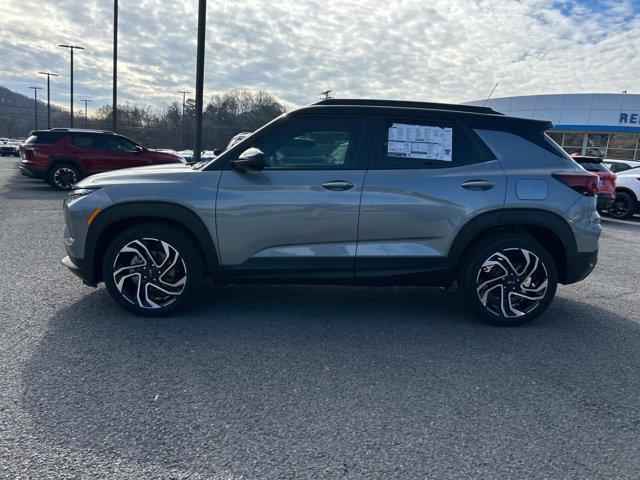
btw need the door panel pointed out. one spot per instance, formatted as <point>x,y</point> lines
<point>286,222</point>
<point>299,216</point>
<point>409,216</point>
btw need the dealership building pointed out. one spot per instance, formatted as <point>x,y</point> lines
<point>599,124</point>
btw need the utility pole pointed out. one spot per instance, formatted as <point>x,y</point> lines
<point>35,103</point>
<point>327,94</point>
<point>184,98</point>
<point>114,111</point>
<point>202,26</point>
<point>86,122</point>
<point>49,75</point>
<point>71,49</point>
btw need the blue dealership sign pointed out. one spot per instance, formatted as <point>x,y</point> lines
<point>626,117</point>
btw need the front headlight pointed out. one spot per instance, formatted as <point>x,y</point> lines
<point>80,192</point>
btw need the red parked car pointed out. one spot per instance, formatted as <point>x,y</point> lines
<point>62,156</point>
<point>606,179</point>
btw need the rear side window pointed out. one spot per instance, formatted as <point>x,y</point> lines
<point>44,138</point>
<point>594,167</point>
<point>619,167</point>
<point>87,141</point>
<point>420,143</point>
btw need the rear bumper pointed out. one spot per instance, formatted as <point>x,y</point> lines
<point>579,266</point>
<point>31,173</point>
<point>604,200</point>
<point>76,267</point>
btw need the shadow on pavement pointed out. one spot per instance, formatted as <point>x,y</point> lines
<point>270,381</point>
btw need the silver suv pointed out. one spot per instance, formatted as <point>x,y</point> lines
<point>364,192</point>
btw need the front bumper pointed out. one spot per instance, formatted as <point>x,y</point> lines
<point>579,266</point>
<point>76,267</point>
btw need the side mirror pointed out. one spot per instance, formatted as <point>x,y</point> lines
<point>249,160</point>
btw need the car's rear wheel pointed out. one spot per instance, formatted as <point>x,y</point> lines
<point>623,206</point>
<point>152,269</point>
<point>508,280</point>
<point>63,176</point>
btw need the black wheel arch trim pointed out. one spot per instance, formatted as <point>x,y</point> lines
<point>628,191</point>
<point>66,161</point>
<point>156,211</point>
<point>505,218</point>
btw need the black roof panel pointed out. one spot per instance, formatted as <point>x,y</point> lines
<point>407,104</point>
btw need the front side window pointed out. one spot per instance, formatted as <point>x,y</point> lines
<point>118,144</point>
<point>314,143</point>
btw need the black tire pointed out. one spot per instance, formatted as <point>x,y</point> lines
<point>150,300</point>
<point>482,266</point>
<point>623,207</point>
<point>63,176</point>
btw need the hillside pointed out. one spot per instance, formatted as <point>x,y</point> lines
<point>17,113</point>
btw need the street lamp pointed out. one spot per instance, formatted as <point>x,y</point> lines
<point>85,111</point>
<point>202,27</point>
<point>114,113</point>
<point>182,123</point>
<point>35,103</point>
<point>49,75</point>
<point>71,49</point>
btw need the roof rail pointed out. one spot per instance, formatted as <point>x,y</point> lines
<point>88,130</point>
<point>407,104</point>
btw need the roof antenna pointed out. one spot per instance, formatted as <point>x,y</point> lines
<point>492,90</point>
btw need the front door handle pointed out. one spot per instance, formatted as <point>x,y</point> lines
<point>478,185</point>
<point>338,185</point>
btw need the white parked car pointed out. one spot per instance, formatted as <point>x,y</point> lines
<point>627,201</point>
<point>618,166</point>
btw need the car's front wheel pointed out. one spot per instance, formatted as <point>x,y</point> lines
<point>152,269</point>
<point>508,280</point>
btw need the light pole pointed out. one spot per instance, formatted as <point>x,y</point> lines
<point>71,49</point>
<point>86,124</point>
<point>49,75</point>
<point>202,26</point>
<point>184,97</point>
<point>114,111</point>
<point>35,103</point>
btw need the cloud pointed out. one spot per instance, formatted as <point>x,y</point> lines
<point>442,50</point>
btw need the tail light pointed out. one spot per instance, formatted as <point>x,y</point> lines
<point>583,183</point>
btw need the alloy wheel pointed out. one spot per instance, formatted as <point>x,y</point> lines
<point>65,177</point>
<point>620,208</point>
<point>512,282</point>
<point>149,273</point>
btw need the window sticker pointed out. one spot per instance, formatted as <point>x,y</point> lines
<point>420,141</point>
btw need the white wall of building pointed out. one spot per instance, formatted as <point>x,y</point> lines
<point>613,111</point>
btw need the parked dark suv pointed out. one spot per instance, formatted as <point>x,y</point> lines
<point>349,192</point>
<point>62,156</point>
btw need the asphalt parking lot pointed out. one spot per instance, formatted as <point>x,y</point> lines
<point>264,382</point>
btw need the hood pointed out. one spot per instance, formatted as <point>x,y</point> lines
<point>160,155</point>
<point>152,174</point>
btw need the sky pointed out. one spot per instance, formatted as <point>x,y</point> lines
<point>430,50</point>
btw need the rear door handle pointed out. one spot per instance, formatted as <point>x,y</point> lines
<point>338,185</point>
<point>478,185</point>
